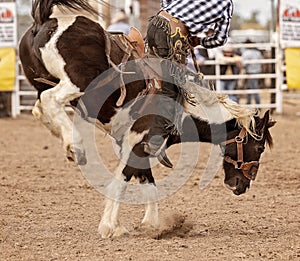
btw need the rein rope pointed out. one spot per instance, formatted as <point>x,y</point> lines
<point>124,44</point>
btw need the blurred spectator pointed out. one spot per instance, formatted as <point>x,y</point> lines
<point>119,23</point>
<point>230,64</point>
<point>254,68</point>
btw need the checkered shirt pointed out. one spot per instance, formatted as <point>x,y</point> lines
<point>201,15</point>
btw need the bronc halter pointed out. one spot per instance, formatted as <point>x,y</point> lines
<point>239,163</point>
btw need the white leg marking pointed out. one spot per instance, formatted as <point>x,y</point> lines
<point>110,225</point>
<point>151,215</point>
<point>46,121</point>
<point>52,106</point>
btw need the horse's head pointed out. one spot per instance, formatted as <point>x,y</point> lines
<point>242,152</point>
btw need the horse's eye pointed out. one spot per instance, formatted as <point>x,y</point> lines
<point>261,149</point>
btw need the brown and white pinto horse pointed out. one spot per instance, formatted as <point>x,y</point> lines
<point>72,59</point>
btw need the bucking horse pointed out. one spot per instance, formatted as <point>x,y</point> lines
<point>108,79</point>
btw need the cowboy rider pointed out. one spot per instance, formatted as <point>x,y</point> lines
<point>170,35</point>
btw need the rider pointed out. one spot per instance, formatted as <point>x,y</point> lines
<point>170,35</point>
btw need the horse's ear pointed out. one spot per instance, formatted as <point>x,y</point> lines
<point>261,123</point>
<point>271,123</point>
<point>267,116</point>
<point>267,121</point>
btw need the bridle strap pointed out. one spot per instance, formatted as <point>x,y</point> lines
<point>239,163</point>
<point>241,137</point>
<point>239,143</point>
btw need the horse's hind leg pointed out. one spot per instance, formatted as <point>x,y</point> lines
<point>51,111</point>
<point>46,121</point>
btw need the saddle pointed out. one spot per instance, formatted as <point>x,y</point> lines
<point>136,39</point>
<point>133,44</point>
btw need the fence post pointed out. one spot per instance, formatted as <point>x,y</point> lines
<point>218,74</point>
<point>279,79</point>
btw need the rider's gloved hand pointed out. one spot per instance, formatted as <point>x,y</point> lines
<point>194,41</point>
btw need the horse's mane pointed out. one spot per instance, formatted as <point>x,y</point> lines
<point>206,96</point>
<point>243,115</point>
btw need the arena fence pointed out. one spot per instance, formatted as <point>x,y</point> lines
<point>24,95</point>
<point>274,77</point>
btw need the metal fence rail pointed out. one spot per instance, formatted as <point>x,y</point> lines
<point>276,76</point>
<point>24,96</point>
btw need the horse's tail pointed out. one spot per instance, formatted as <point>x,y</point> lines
<point>42,9</point>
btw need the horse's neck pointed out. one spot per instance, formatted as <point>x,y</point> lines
<point>195,130</point>
<point>215,132</point>
<point>206,131</point>
<point>220,132</point>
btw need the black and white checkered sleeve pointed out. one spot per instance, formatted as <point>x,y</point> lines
<point>201,15</point>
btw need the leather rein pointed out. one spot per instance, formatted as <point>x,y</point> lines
<point>239,163</point>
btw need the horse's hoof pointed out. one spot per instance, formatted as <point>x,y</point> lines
<point>76,155</point>
<point>105,231</point>
<point>120,231</point>
<point>148,227</point>
<point>164,160</point>
<point>80,157</point>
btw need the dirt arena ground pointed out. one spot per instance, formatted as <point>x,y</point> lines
<point>48,210</point>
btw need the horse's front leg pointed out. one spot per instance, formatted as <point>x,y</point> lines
<point>51,111</point>
<point>139,165</point>
<point>151,219</point>
<point>110,225</point>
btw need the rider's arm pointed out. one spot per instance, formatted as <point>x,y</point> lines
<point>220,19</point>
<point>220,36</point>
<point>165,3</point>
